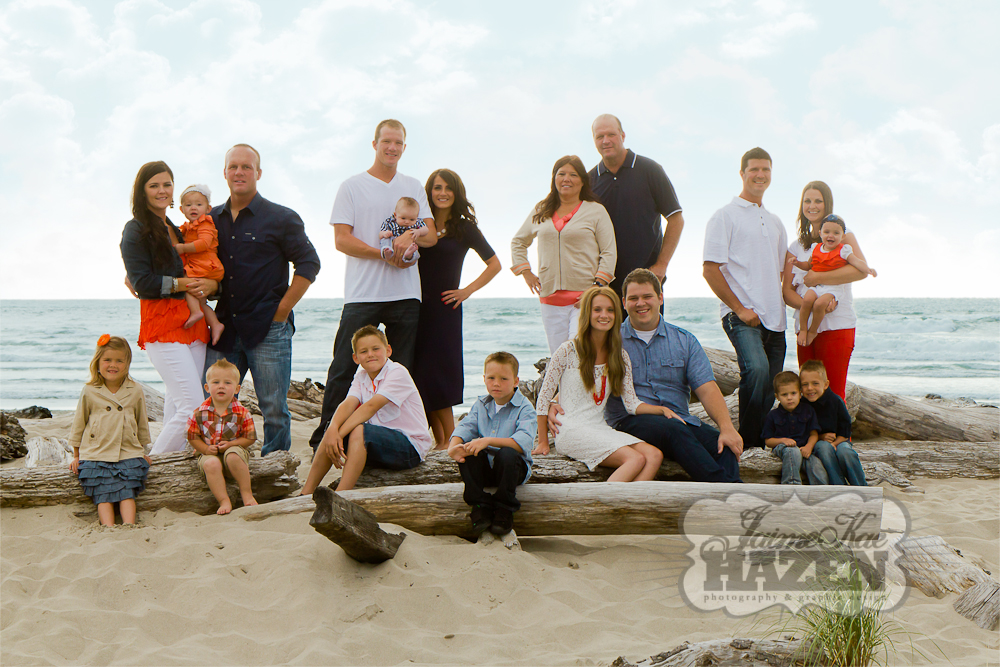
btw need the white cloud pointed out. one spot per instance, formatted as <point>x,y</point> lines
<point>764,39</point>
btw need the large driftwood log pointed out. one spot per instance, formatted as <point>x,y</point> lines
<point>300,410</point>
<point>883,415</point>
<point>607,508</point>
<point>910,459</point>
<point>935,567</point>
<point>173,483</point>
<point>353,528</point>
<point>725,653</point>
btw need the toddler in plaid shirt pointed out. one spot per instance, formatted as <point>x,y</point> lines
<point>220,431</point>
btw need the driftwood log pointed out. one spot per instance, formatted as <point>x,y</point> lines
<point>725,653</point>
<point>935,567</point>
<point>606,508</point>
<point>299,409</point>
<point>981,604</point>
<point>353,528</point>
<point>173,483</point>
<point>979,460</point>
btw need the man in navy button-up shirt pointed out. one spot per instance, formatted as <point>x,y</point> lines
<point>257,240</point>
<point>667,363</point>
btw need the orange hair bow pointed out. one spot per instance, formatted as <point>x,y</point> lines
<point>103,340</point>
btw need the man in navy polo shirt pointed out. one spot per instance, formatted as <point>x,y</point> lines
<point>636,192</point>
<point>257,240</point>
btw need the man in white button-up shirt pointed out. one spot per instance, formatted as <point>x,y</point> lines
<point>745,247</point>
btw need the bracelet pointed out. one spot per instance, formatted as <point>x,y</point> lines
<point>173,285</point>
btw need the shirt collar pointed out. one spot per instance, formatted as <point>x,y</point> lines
<point>629,331</point>
<point>743,203</point>
<point>252,206</point>
<point>629,162</point>
<point>516,400</point>
<point>125,388</point>
<point>209,406</point>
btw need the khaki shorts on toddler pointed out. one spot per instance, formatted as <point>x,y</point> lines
<point>242,452</point>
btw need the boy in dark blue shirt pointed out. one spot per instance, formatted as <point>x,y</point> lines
<point>792,431</point>
<point>834,424</point>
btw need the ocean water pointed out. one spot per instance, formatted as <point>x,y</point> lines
<point>912,347</point>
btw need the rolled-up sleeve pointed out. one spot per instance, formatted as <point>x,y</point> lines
<point>299,249</point>
<point>525,429</point>
<point>468,428</point>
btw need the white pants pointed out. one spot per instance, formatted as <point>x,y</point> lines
<point>181,368</point>
<point>560,324</point>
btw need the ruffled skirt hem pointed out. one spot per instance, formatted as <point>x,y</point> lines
<point>113,482</point>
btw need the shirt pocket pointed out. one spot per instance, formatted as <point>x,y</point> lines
<point>252,244</point>
<point>672,372</point>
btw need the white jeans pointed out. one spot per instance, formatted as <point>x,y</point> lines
<point>181,368</point>
<point>560,324</point>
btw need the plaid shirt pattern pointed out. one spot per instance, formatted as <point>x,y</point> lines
<point>213,428</point>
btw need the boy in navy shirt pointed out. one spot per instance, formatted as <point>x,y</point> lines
<point>834,424</point>
<point>792,431</point>
<point>492,446</point>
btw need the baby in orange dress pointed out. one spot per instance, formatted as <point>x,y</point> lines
<point>199,252</point>
<point>831,254</point>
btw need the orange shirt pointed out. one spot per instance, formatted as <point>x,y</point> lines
<point>203,262</point>
<point>828,261</point>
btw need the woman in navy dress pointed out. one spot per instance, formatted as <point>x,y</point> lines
<point>438,368</point>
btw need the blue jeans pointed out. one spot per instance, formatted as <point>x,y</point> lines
<point>824,452</point>
<point>694,448</point>
<point>761,355</point>
<point>270,364</point>
<point>850,465</point>
<point>400,319</point>
<point>793,466</point>
<point>388,448</point>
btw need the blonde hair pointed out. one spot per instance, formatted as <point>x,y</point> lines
<point>113,343</point>
<point>585,349</point>
<point>224,366</point>
<point>505,358</point>
<point>814,366</point>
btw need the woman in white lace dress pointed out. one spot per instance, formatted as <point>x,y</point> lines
<point>586,371</point>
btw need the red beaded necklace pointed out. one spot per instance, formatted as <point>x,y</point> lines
<point>598,399</point>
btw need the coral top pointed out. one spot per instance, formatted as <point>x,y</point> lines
<point>828,261</point>
<point>204,262</point>
<point>162,321</point>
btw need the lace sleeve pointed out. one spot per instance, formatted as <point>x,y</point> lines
<point>629,398</point>
<point>558,364</point>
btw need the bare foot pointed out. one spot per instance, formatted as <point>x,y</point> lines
<point>387,253</point>
<point>195,316</point>
<point>249,500</point>
<point>800,338</point>
<point>810,337</point>
<point>217,332</point>
<point>226,508</point>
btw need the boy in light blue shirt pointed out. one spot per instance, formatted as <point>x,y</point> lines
<point>492,446</point>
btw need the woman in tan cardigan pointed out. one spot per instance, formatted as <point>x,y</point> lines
<point>576,248</point>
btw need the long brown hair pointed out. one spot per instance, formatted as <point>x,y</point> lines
<point>585,349</point>
<point>153,229</point>
<point>463,213</point>
<point>805,227</point>
<point>115,344</point>
<point>545,208</point>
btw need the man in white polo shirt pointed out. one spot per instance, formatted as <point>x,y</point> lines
<point>745,247</point>
<point>376,290</point>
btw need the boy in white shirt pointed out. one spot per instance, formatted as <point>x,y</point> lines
<point>381,423</point>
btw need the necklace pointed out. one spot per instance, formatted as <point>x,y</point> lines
<point>598,399</point>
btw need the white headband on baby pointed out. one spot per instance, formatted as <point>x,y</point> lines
<point>200,188</point>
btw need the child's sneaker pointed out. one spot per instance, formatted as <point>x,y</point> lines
<point>503,521</point>
<point>482,518</point>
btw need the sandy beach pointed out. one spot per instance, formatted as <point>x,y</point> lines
<point>186,589</point>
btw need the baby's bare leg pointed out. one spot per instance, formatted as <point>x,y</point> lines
<point>214,324</point>
<point>241,473</point>
<point>195,309</point>
<point>357,455</point>
<point>217,483</point>
<point>818,313</point>
<point>808,299</point>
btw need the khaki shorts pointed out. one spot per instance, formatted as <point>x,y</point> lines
<point>242,452</point>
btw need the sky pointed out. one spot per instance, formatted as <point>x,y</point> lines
<point>892,103</point>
